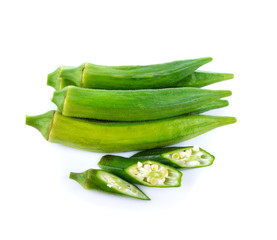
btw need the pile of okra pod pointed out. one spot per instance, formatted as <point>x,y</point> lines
<point>126,108</point>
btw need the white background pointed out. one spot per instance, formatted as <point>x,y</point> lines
<point>233,199</point>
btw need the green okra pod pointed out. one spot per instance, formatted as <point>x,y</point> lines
<point>101,136</point>
<point>124,77</point>
<point>107,182</point>
<point>202,78</point>
<point>133,105</point>
<point>145,172</point>
<point>180,157</point>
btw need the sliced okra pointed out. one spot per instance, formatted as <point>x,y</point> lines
<point>108,182</point>
<point>145,172</point>
<point>182,157</point>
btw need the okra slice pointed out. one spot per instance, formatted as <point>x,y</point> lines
<point>144,172</point>
<point>182,157</point>
<point>108,182</point>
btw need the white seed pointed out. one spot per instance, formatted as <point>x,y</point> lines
<point>153,181</point>
<point>175,156</point>
<point>182,154</point>
<point>148,179</point>
<point>192,163</point>
<point>154,167</point>
<point>134,171</point>
<point>161,180</point>
<point>147,166</point>
<point>164,172</point>
<point>195,148</point>
<point>142,170</point>
<point>109,185</point>
<point>189,151</point>
<point>139,164</point>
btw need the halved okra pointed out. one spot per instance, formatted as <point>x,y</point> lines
<point>145,172</point>
<point>180,157</point>
<point>108,182</point>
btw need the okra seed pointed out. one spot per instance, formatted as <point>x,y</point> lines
<point>139,164</point>
<point>182,154</point>
<point>153,181</point>
<point>195,148</point>
<point>189,151</point>
<point>193,163</point>
<point>147,166</point>
<point>155,167</point>
<point>175,156</point>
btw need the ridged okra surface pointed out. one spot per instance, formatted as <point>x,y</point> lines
<point>124,77</point>
<point>101,136</point>
<point>133,105</point>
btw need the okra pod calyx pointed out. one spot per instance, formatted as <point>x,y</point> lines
<point>145,172</point>
<point>108,182</point>
<point>180,157</point>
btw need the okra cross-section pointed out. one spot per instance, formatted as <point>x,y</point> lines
<point>108,182</point>
<point>145,172</point>
<point>182,157</point>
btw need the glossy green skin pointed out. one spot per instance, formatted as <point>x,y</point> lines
<point>118,165</point>
<point>211,106</point>
<point>202,78</point>
<point>90,180</point>
<point>132,105</point>
<point>157,155</point>
<point>124,77</point>
<point>101,136</point>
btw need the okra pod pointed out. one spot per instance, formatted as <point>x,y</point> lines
<point>107,182</point>
<point>145,172</point>
<point>202,78</point>
<point>180,157</point>
<point>101,136</point>
<point>124,77</point>
<point>132,105</point>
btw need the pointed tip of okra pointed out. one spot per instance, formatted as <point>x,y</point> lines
<point>41,122</point>
<point>53,79</point>
<point>79,177</point>
<point>228,120</point>
<point>201,61</point>
<point>223,93</point>
<point>59,98</point>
